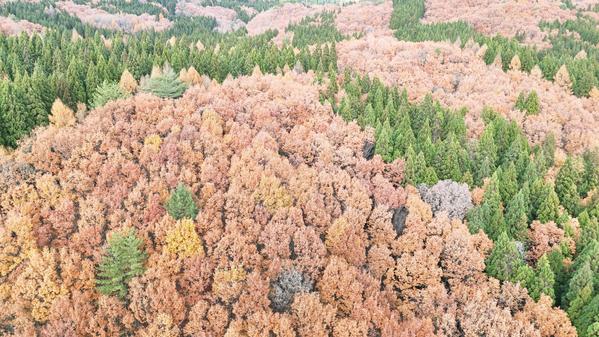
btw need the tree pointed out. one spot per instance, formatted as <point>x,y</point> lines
<point>516,216</point>
<point>128,83</point>
<point>165,85</point>
<point>544,280</point>
<point>549,207</point>
<point>508,182</point>
<point>61,115</point>
<point>123,261</point>
<point>566,187</point>
<point>532,103</point>
<point>183,240</point>
<point>521,101</point>
<point>384,142</point>
<point>504,259</point>
<point>107,92</point>
<point>180,204</point>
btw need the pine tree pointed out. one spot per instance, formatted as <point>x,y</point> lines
<point>533,106</point>
<point>556,260</point>
<point>165,85</point>
<point>505,259</point>
<point>106,92</point>
<point>384,142</point>
<point>521,101</point>
<point>524,275</point>
<point>180,204</point>
<point>403,136</point>
<point>508,182</point>
<point>566,187</point>
<point>580,291</point>
<point>544,280</point>
<point>124,260</point>
<point>549,206</point>
<point>590,178</point>
<point>493,210</point>
<point>589,230</point>
<point>516,216</point>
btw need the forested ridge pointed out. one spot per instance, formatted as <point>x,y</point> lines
<point>189,182</point>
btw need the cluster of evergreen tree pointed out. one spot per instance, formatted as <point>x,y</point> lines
<point>37,70</point>
<point>584,73</point>
<point>433,142</point>
<point>316,29</point>
<point>528,103</point>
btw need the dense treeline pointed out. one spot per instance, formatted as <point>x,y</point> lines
<point>38,70</point>
<point>584,73</point>
<point>315,30</point>
<point>520,209</point>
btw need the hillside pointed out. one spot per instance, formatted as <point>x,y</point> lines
<point>260,169</point>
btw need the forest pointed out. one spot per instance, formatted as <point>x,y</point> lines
<point>173,178</point>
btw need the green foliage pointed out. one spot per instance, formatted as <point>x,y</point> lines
<point>566,186</point>
<point>180,204</point>
<point>107,92</point>
<point>123,261</point>
<point>532,103</point>
<point>166,85</point>
<point>39,70</point>
<point>315,30</point>
<point>544,280</point>
<point>505,259</point>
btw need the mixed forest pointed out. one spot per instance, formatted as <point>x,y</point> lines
<point>234,168</point>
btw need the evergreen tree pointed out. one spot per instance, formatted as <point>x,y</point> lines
<point>167,85</point>
<point>403,136</point>
<point>504,260</point>
<point>180,204</point>
<point>590,178</point>
<point>521,101</point>
<point>580,291</point>
<point>493,210</point>
<point>544,280</point>
<point>124,260</point>
<point>107,92</point>
<point>566,187</point>
<point>508,182</point>
<point>384,142</point>
<point>549,207</point>
<point>556,261</point>
<point>516,216</point>
<point>524,275</point>
<point>533,106</point>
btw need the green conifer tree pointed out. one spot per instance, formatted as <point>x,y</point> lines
<point>566,184</point>
<point>124,260</point>
<point>533,106</point>
<point>106,92</point>
<point>166,85</point>
<point>180,204</point>
<point>549,206</point>
<point>544,280</point>
<point>504,260</point>
<point>516,216</point>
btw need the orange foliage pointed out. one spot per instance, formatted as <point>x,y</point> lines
<point>281,183</point>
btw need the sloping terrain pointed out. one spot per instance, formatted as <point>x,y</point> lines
<point>508,18</point>
<point>101,19</point>
<point>226,18</point>
<point>9,26</point>
<point>283,191</point>
<point>459,77</point>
